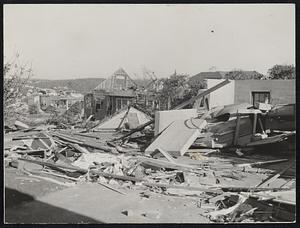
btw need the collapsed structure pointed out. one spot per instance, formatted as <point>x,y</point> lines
<point>202,153</point>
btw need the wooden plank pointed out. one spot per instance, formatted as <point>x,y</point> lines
<point>237,129</point>
<point>122,120</point>
<point>111,188</point>
<point>86,143</point>
<point>27,151</point>
<point>208,91</point>
<point>183,187</point>
<point>272,178</point>
<point>26,137</point>
<point>135,130</point>
<point>109,175</point>
<point>67,184</point>
<point>70,167</point>
<point>66,138</point>
<point>254,124</point>
<point>85,135</point>
<point>261,125</point>
<point>80,149</point>
<point>165,164</point>
<point>167,155</point>
<point>268,140</point>
<point>262,163</point>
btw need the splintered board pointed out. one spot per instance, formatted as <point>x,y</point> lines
<point>178,137</point>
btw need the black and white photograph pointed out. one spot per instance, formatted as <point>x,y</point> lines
<point>149,113</point>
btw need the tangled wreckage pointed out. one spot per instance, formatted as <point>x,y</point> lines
<point>214,157</point>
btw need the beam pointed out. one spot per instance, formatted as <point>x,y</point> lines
<point>208,91</point>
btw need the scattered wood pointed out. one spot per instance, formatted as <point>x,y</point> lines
<point>111,188</point>
<point>83,143</point>
<point>272,178</point>
<point>63,149</point>
<point>218,191</point>
<point>59,175</point>
<point>62,137</point>
<point>80,149</point>
<point>88,136</point>
<point>28,137</point>
<point>109,175</point>
<point>50,179</point>
<point>262,163</point>
<point>20,125</point>
<point>166,154</point>
<point>88,120</point>
<point>208,91</point>
<point>28,151</point>
<point>157,163</point>
<point>214,215</point>
<point>69,167</point>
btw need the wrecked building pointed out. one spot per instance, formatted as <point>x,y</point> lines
<point>109,96</point>
<point>101,103</point>
<point>250,91</point>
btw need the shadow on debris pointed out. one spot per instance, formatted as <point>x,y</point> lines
<point>23,208</point>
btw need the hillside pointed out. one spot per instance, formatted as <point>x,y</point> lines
<point>82,85</point>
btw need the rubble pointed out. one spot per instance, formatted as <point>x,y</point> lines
<point>183,160</point>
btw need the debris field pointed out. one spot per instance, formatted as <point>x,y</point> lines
<point>229,185</point>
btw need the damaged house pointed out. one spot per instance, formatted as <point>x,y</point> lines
<point>253,113</point>
<point>111,95</point>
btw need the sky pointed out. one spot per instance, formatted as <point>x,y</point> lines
<point>80,41</point>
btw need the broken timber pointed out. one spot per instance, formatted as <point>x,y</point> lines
<point>70,167</point>
<point>208,91</point>
<point>183,187</point>
<point>83,143</point>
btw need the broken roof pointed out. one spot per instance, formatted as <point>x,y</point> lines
<point>119,80</point>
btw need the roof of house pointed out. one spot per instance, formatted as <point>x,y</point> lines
<point>122,93</point>
<point>117,81</point>
<point>209,75</point>
<point>220,75</point>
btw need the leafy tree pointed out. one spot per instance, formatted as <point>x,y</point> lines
<point>173,89</point>
<point>243,75</point>
<point>282,72</point>
<point>176,90</point>
<point>16,76</point>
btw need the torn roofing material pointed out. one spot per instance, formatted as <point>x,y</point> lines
<point>134,117</point>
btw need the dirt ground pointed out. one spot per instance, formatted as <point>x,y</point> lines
<point>29,200</point>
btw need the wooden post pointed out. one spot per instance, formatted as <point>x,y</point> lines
<point>254,123</point>
<point>237,129</point>
<point>261,126</point>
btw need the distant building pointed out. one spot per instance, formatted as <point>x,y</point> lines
<point>109,96</point>
<point>250,91</point>
<point>58,102</point>
<point>200,77</point>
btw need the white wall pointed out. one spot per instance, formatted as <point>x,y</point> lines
<point>221,96</point>
<point>164,118</point>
